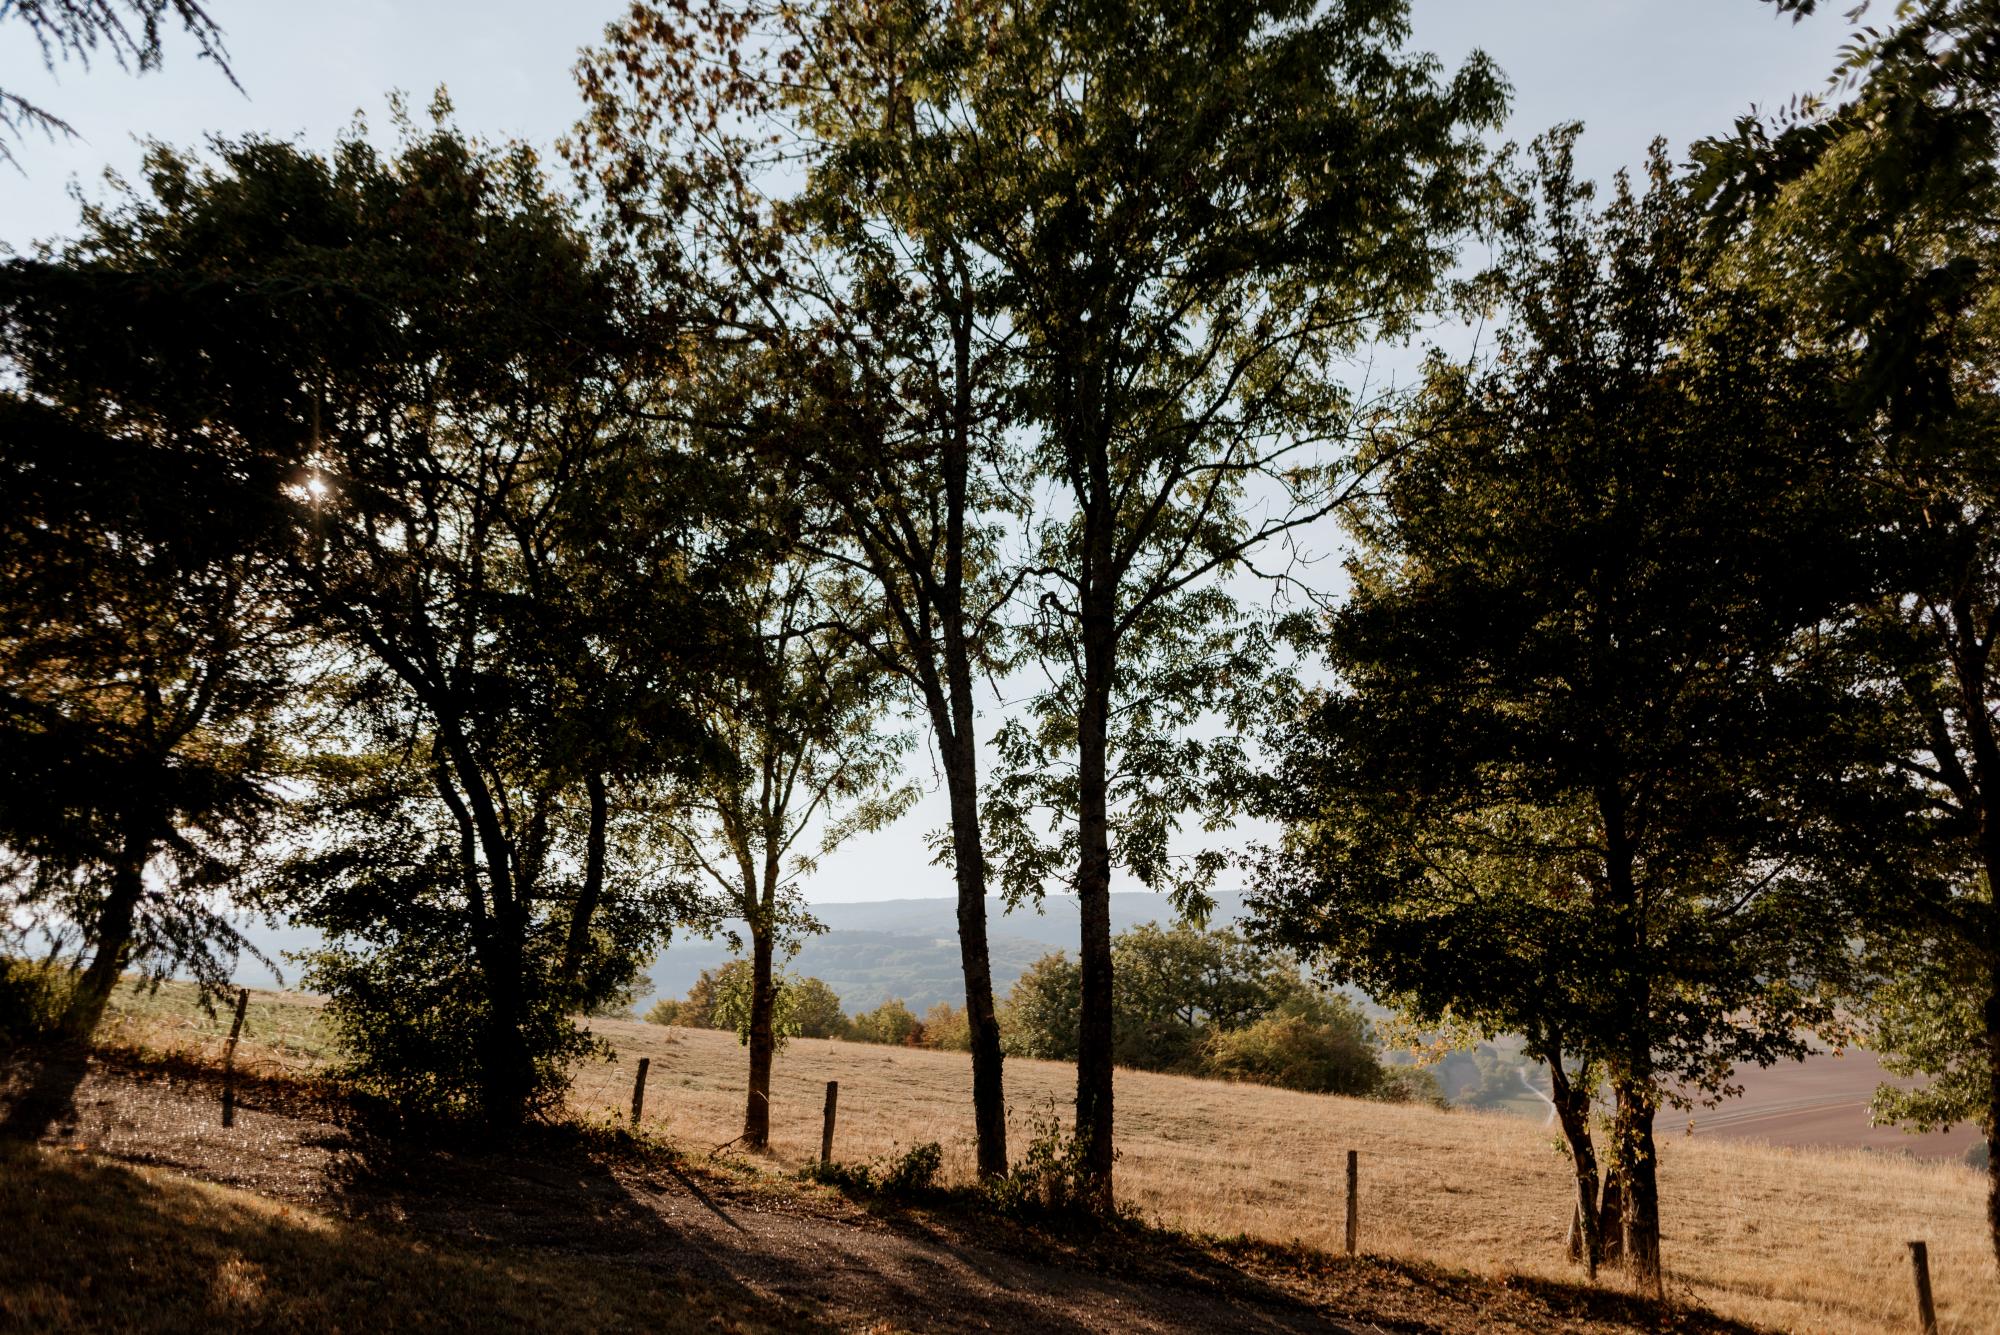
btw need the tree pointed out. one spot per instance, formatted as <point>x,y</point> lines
<point>1041,1013</point>
<point>891,1022</point>
<point>806,753</point>
<point>884,365</point>
<point>146,649</point>
<point>1870,208</point>
<point>131,30</point>
<point>425,362</point>
<point>1190,213</point>
<point>1598,759</point>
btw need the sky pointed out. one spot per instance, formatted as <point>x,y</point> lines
<point>1630,70</point>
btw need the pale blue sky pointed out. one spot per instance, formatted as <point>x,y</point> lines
<point>1629,69</point>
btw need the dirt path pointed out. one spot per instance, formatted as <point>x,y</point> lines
<point>809,1257</point>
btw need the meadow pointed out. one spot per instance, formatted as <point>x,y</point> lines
<point>1797,1239</point>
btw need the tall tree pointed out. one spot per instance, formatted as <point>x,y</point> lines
<point>1188,216</point>
<point>883,358</point>
<point>1597,756</point>
<point>1872,207</point>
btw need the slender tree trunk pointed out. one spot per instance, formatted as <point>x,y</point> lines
<point>585,907</point>
<point>989,1105</point>
<point>763,1041</point>
<point>111,937</point>
<point>1572,1104</point>
<point>1639,1165</point>
<point>1095,1030</point>
<point>1992,1036</point>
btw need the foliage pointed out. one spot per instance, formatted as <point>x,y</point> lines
<point>1319,1044</point>
<point>814,1009</point>
<point>1868,209</point>
<point>1411,1084</point>
<point>1598,758</point>
<point>912,1174</point>
<point>946,1028</point>
<point>129,30</point>
<point>891,1022</point>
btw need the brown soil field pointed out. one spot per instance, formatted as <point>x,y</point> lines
<point>1822,1101</point>
<point>1794,1239</point>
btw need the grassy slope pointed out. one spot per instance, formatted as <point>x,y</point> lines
<point>1803,1240</point>
<point>101,1247</point>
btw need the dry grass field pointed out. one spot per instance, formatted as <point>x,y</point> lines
<point>1797,1239</point>
<point>1800,1240</point>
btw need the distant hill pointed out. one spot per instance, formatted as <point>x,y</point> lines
<point>870,952</point>
<point>908,948</point>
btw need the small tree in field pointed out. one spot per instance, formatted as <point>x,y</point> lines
<point>806,758</point>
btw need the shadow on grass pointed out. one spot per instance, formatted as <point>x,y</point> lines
<point>96,1246</point>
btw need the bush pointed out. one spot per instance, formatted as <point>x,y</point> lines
<point>1294,1052</point>
<point>947,1028</point>
<point>1412,1084</point>
<point>1052,1177</point>
<point>32,999</point>
<point>891,1022</point>
<point>914,1173</point>
<point>667,1012</point>
<point>406,1016</point>
<point>1041,1015</point>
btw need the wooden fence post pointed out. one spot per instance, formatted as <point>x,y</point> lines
<point>639,1091</point>
<point>1920,1263</point>
<point>1353,1198</point>
<point>826,1129</point>
<point>229,1060</point>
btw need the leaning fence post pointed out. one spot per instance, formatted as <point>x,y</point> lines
<point>229,1060</point>
<point>826,1128</point>
<point>1920,1263</point>
<point>639,1091</point>
<point>1353,1197</point>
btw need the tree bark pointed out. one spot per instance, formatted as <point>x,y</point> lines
<point>1095,1029</point>
<point>1572,1104</point>
<point>763,1042</point>
<point>989,1106</point>
<point>592,889</point>
<point>111,936</point>
<point>1638,1165</point>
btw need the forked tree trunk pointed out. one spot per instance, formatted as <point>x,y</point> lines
<point>763,1040</point>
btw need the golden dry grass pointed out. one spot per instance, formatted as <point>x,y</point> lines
<point>1795,1239</point>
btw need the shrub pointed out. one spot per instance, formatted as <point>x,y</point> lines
<point>32,999</point>
<point>947,1028</point>
<point>1052,1177</point>
<point>913,1173</point>
<point>1293,1052</point>
<point>405,1016</point>
<point>1412,1084</point>
<point>815,1008</point>
<point>667,1012</point>
<point>891,1022</point>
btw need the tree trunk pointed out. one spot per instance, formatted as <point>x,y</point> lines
<point>593,883</point>
<point>1572,1104</point>
<point>1992,1018</point>
<point>1639,1165</point>
<point>1611,1218</point>
<point>1093,880</point>
<point>507,1068</point>
<point>757,1109</point>
<point>989,1105</point>
<point>111,937</point>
